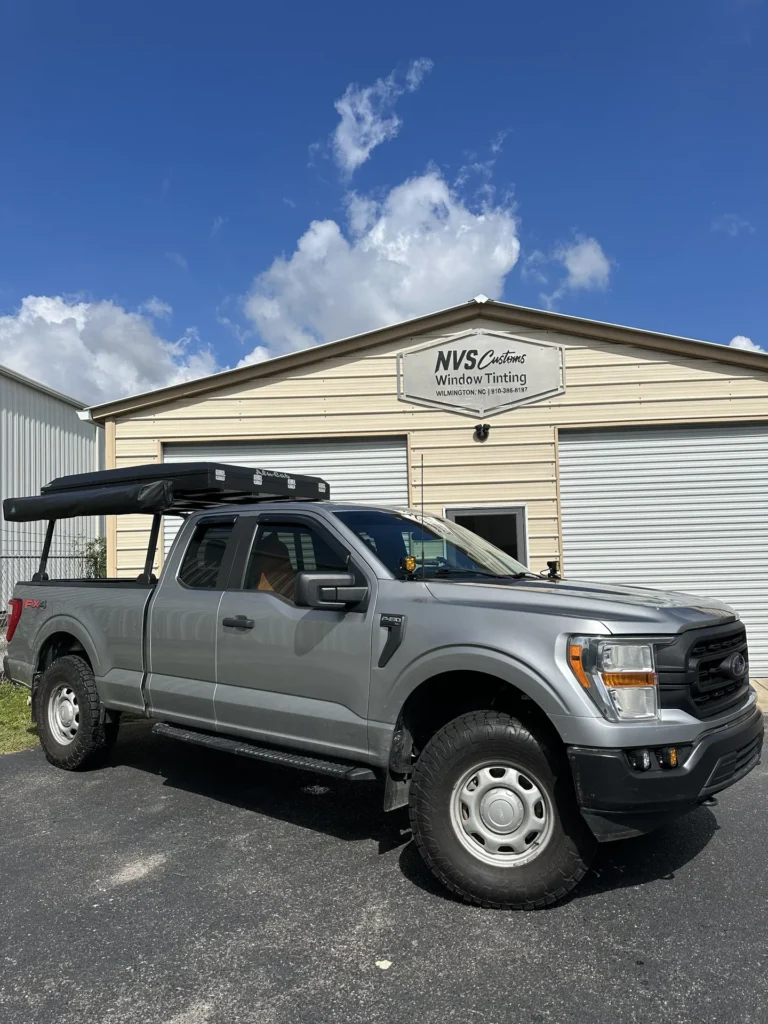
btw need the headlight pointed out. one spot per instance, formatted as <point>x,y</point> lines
<point>619,675</point>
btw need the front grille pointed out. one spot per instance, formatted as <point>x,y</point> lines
<point>696,672</point>
<point>721,645</point>
<point>715,700</point>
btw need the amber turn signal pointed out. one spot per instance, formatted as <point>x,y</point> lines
<point>668,757</point>
<point>630,678</point>
<point>577,666</point>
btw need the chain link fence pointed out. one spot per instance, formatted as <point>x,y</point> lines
<point>20,568</point>
<point>72,558</point>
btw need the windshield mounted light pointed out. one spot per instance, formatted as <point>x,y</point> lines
<point>619,676</point>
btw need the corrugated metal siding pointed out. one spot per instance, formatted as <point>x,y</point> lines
<point>682,509</point>
<point>41,438</point>
<point>357,394</point>
<point>371,469</point>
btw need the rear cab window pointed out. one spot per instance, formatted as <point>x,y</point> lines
<point>204,562</point>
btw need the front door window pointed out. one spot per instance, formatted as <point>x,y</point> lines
<point>281,550</point>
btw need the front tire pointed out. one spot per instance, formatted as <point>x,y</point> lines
<point>494,814</point>
<point>73,733</point>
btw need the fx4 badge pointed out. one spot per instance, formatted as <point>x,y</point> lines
<point>29,603</point>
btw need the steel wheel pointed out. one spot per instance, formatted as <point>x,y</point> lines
<point>501,815</point>
<point>63,715</point>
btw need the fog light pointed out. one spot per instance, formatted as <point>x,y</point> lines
<point>640,759</point>
<point>668,756</point>
<point>408,563</point>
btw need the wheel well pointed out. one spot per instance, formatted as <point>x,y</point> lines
<point>56,646</point>
<point>446,696</point>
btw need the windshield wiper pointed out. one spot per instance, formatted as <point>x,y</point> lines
<point>446,571</point>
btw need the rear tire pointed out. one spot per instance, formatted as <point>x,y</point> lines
<point>69,716</point>
<point>494,814</point>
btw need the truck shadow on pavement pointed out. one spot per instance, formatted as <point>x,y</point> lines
<point>353,812</point>
<point>619,865</point>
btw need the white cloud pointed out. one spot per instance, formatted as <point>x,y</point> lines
<point>416,72</point>
<point>419,249</point>
<point>157,308</point>
<point>741,341</point>
<point>97,351</point>
<point>178,259</point>
<point>257,355</point>
<point>368,117</point>
<point>732,224</point>
<point>216,226</point>
<point>482,169</point>
<point>497,143</point>
<point>586,265</point>
<point>531,268</point>
<point>241,333</point>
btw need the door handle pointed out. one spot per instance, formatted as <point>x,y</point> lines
<point>238,622</point>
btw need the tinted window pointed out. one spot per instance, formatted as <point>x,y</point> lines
<point>204,556</point>
<point>283,549</point>
<point>495,527</point>
<point>437,546</point>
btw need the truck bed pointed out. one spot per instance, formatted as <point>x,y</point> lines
<point>110,634</point>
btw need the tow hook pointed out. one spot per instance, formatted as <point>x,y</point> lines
<point>709,801</point>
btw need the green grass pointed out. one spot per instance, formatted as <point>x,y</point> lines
<point>16,729</point>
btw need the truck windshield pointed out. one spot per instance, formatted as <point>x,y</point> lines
<point>439,547</point>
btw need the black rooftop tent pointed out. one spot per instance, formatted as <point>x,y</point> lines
<point>161,488</point>
<point>158,489</point>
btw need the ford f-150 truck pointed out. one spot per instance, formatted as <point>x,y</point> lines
<point>521,718</point>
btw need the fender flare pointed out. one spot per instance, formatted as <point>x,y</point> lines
<point>62,623</point>
<point>487,660</point>
<point>471,658</point>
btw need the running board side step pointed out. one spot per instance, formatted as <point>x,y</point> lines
<point>348,772</point>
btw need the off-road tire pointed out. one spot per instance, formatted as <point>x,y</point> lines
<point>94,736</point>
<point>474,739</point>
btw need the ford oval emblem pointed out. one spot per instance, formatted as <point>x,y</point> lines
<point>738,666</point>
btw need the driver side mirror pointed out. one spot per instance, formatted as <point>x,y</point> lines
<point>330,590</point>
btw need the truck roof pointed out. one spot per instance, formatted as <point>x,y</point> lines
<point>301,505</point>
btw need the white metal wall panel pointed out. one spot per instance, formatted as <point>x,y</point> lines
<point>371,469</point>
<point>41,437</point>
<point>683,508</point>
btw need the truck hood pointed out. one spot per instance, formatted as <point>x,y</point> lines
<point>619,607</point>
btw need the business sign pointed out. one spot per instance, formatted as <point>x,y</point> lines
<point>480,373</point>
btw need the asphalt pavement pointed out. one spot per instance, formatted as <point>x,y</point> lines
<point>185,886</point>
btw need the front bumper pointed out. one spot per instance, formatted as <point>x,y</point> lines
<point>618,801</point>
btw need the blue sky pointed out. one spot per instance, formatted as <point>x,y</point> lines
<point>606,159</point>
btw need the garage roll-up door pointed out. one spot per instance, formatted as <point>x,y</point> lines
<point>371,469</point>
<point>683,508</point>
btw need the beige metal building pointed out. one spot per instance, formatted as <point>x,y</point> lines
<point>630,456</point>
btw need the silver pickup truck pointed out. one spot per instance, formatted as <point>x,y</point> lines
<point>521,718</point>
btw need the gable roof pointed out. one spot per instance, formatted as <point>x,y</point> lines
<point>5,371</point>
<point>503,312</point>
